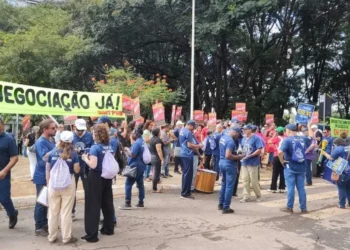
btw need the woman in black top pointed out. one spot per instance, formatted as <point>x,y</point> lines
<point>156,149</point>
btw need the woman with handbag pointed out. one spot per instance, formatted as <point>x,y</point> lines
<point>29,143</point>
<point>156,148</point>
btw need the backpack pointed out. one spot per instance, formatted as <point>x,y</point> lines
<point>298,154</point>
<point>146,155</point>
<point>110,167</point>
<point>212,143</point>
<point>60,177</point>
<point>120,157</point>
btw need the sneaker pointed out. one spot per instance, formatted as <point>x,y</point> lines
<point>220,207</point>
<point>102,231</point>
<point>13,220</point>
<point>282,191</point>
<point>140,204</point>
<point>244,200</point>
<point>41,232</point>
<point>341,207</point>
<point>228,211</point>
<point>259,199</point>
<point>71,241</point>
<point>287,210</point>
<point>190,197</point>
<point>272,191</point>
<point>73,217</point>
<point>126,206</point>
<point>169,175</point>
<point>304,211</point>
<point>308,184</point>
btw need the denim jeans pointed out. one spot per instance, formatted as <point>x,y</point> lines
<point>343,192</point>
<point>195,166</point>
<point>5,196</point>
<point>40,211</point>
<point>297,180</point>
<point>129,182</point>
<point>229,175</point>
<point>308,171</point>
<point>166,163</point>
<point>216,165</point>
<point>148,171</point>
<point>187,175</point>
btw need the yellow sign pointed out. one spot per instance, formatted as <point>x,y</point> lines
<point>24,99</point>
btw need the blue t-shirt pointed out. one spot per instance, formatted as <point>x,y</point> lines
<point>177,135</point>
<point>80,144</point>
<point>186,136</point>
<point>217,137</point>
<point>8,149</point>
<point>42,147</point>
<point>341,151</point>
<point>329,146</point>
<point>249,147</point>
<point>227,143</point>
<point>99,151</point>
<point>287,148</point>
<point>55,154</point>
<point>137,150</point>
<point>113,142</point>
<point>207,150</point>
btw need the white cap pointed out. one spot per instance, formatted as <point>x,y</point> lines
<point>314,126</point>
<point>67,136</point>
<point>179,123</point>
<point>80,124</point>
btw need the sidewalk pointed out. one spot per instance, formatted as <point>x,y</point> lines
<point>24,194</point>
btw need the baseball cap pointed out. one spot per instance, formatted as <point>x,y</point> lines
<point>292,127</point>
<point>80,124</point>
<point>236,129</point>
<point>112,131</point>
<point>104,119</point>
<point>254,127</point>
<point>314,126</point>
<point>248,126</point>
<point>67,136</point>
<point>234,120</point>
<point>179,123</point>
<point>279,129</point>
<point>191,122</point>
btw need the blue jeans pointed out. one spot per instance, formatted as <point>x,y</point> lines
<point>187,175</point>
<point>5,196</point>
<point>148,171</point>
<point>343,192</point>
<point>195,166</point>
<point>297,180</point>
<point>129,182</point>
<point>308,171</point>
<point>166,163</point>
<point>229,175</point>
<point>216,165</point>
<point>40,211</point>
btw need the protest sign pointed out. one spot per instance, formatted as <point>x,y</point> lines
<point>198,116</point>
<point>339,126</point>
<point>128,105</point>
<point>158,114</point>
<point>235,114</point>
<point>304,113</point>
<point>241,106</point>
<point>178,112</point>
<point>26,123</point>
<point>173,114</point>
<point>315,118</point>
<point>269,118</point>
<point>212,121</point>
<point>136,108</point>
<point>243,117</point>
<point>69,119</point>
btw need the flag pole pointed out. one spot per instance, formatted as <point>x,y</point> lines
<point>192,57</point>
<point>324,112</point>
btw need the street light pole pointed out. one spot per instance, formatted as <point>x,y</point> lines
<point>192,57</point>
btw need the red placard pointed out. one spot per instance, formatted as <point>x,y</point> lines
<point>178,112</point>
<point>212,121</point>
<point>241,106</point>
<point>173,114</point>
<point>69,119</point>
<point>128,105</point>
<point>236,114</point>
<point>136,108</point>
<point>269,118</point>
<point>26,123</point>
<point>243,117</point>
<point>315,118</point>
<point>139,120</point>
<point>198,116</point>
<point>158,114</point>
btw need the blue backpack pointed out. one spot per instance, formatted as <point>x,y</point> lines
<point>298,154</point>
<point>212,142</point>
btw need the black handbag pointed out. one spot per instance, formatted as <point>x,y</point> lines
<point>130,172</point>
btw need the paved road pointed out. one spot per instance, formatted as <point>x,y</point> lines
<point>168,222</point>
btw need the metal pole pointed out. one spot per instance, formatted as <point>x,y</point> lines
<point>324,112</point>
<point>192,57</point>
<point>17,132</point>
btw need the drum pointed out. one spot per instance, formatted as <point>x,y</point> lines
<point>205,181</point>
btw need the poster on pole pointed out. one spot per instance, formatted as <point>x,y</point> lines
<point>69,119</point>
<point>269,118</point>
<point>26,123</point>
<point>178,112</point>
<point>139,120</point>
<point>158,114</point>
<point>235,114</point>
<point>339,126</point>
<point>212,121</point>
<point>241,106</point>
<point>128,105</point>
<point>136,108</point>
<point>304,113</point>
<point>198,116</point>
<point>173,114</point>
<point>315,118</point>
<point>243,117</point>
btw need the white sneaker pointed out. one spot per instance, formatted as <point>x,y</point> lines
<point>271,191</point>
<point>282,191</point>
<point>244,200</point>
<point>258,199</point>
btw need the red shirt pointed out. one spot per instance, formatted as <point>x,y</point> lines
<point>276,143</point>
<point>204,133</point>
<point>198,136</point>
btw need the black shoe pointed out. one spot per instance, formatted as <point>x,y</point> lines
<point>235,195</point>
<point>228,211</point>
<point>164,176</point>
<point>41,232</point>
<point>103,232</point>
<point>140,204</point>
<point>287,210</point>
<point>115,223</point>
<point>13,220</point>
<point>126,206</point>
<point>89,240</point>
<point>220,207</point>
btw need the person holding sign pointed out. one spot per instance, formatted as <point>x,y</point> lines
<point>8,159</point>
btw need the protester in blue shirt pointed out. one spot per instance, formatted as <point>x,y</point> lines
<point>177,147</point>
<point>228,167</point>
<point>99,193</point>
<point>43,147</point>
<point>292,156</point>
<point>328,140</point>
<point>82,142</point>
<point>216,149</point>
<point>135,159</point>
<point>207,152</point>
<point>252,146</point>
<point>61,201</point>
<point>8,159</point>
<point>186,154</point>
